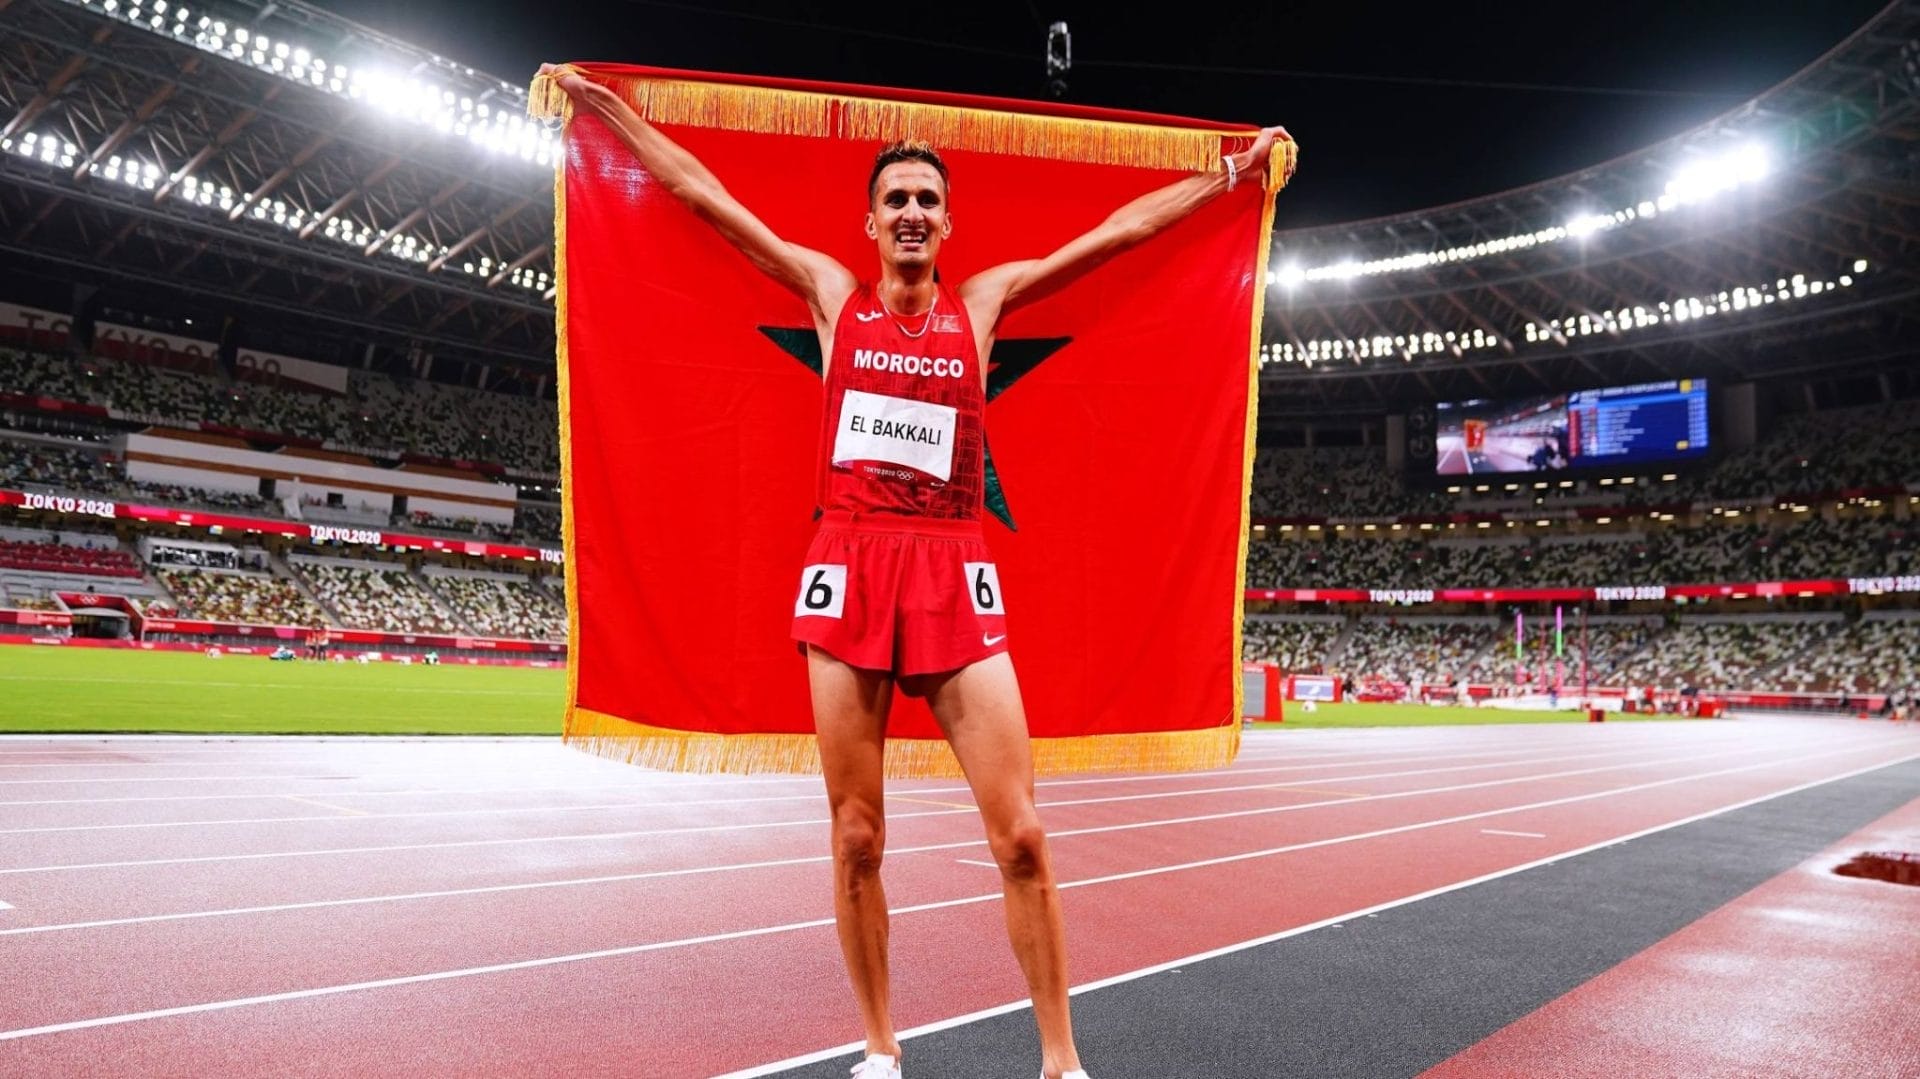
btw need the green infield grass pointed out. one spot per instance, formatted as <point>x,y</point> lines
<point>1382,714</point>
<point>101,690</point>
<point>97,689</point>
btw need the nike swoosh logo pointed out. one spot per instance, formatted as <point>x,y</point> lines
<point>990,640</point>
<point>866,316</point>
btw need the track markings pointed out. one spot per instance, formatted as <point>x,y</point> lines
<point>970,861</point>
<point>954,845</point>
<point>930,802</point>
<point>818,923</point>
<point>1522,835</point>
<point>1176,965</point>
<point>325,805</point>
<point>1056,803</point>
<point>4,905</point>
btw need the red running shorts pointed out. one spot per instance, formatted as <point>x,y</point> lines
<point>907,595</point>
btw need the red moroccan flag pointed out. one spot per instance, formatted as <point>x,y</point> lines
<point>1119,422</point>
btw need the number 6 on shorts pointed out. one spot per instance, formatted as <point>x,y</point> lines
<point>823,591</point>
<point>983,584</point>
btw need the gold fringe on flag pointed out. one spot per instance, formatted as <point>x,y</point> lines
<point>762,110</point>
<point>671,750</point>
<point>1280,164</point>
<point>570,569</point>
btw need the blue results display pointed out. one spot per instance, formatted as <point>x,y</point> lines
<point>1622,426</point>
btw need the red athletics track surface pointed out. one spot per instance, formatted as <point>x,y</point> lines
<point>1812,973</point>
<point>297,907</point>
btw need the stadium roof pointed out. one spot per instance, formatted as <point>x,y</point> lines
<point>1776,238</point>
<point>305,171</point>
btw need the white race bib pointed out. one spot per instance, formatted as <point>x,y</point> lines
<point>892,430</point>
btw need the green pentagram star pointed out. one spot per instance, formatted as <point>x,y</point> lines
<point>1012,359</point>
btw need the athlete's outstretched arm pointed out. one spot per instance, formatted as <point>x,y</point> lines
<point>816,278</point>
<point>1003,288</point>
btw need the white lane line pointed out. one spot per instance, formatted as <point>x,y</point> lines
<point>1245,945</point>
<point>702,870</point>
<point>642,788</point>
<point>4,905</point>
<point>337,770</point>
<point>411,979</point>
<point>970,861</point>
<point>545,961</point>
<point>587,767</point>
<point>511,810</point>
<point>1522,835</point>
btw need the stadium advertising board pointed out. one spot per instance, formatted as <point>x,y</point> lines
<point>1412,597</point>
<point>1652,423</point>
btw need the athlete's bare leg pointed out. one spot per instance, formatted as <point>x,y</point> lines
<point>979,709</point>
<point>850,714</point>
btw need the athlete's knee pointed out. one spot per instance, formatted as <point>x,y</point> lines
<point>1020,847</point>
<point>859,839</point>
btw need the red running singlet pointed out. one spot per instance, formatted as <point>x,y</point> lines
<point>901,431</point>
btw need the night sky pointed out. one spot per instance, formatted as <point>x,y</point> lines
<point>1378,95</point>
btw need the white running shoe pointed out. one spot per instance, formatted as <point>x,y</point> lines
<point>877,1066</point>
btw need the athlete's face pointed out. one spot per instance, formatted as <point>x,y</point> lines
<point>909,214</point>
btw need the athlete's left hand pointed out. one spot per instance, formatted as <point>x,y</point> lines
<point>1251,163</point>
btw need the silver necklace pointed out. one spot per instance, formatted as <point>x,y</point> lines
<point>901,326</point>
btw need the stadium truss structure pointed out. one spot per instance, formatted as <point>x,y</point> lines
<point>270,160</point>
<point>265,159</point>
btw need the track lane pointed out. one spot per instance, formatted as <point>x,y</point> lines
<point>910,883</point>
<point>682,841</point>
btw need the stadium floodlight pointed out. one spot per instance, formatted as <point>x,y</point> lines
<point>440,108</point>
<point>1684,309</point>
<point>1559,330</point>
<point>1748,163</point>
<point>1586,224</point>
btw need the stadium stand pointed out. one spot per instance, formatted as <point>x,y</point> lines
<point>1786,509</point>
<point>1878,654</point>
<point>1725,652</point>
<point>378,413</point>
<point>1802,455</point>
<point>1350,482</point>
<point>1789,653</point>
<point>171,494</point>
<point>533,522</point>
<point>101,559</point>
<point>257,598</point>
<point>502,606</point>
<point>25,464</point>
<point>1609,643</point>
<point>1821,452</point>
<point>1414,650</point>
<point>1299,645</point>
<point>375,595</point>
<point>1806,548</point>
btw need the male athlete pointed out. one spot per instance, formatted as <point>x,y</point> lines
<point>899,585</point>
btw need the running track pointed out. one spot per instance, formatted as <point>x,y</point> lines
<point>384,907</point>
